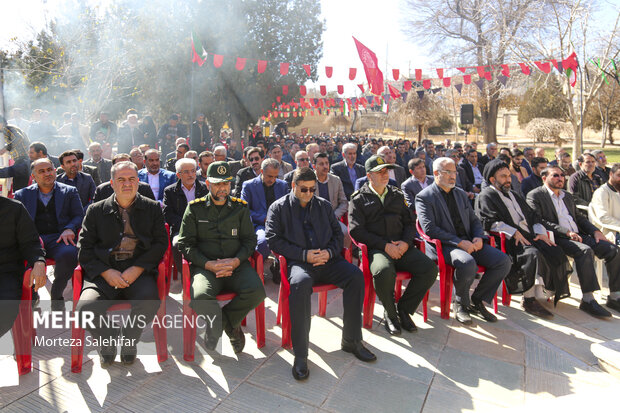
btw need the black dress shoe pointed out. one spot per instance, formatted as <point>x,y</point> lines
<point>532,306</point>
<point>613,304</point>
<point>406,322</point>
<point>237,339</point>
<point>128,355</point>
<point>358,350</point>
<point>478,308</point>
<point>210,340</point>
<point>594,309</point>
<point>107,354</point>
<point>461,313</point>
<point>300,369</point>
<point>391,324</point>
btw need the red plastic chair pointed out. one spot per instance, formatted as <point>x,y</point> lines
<point>161,343</point>
<point>23,330</point>
<point>505,296</point>
<point>370,293</point>
<point>189,329</point>
<point>171,270</point>
<point>283,315</point>
<point>446,274</point>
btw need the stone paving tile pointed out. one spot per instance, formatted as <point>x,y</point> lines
<point>441,400</point>
<point>575,340</point>
<point>250,398</point>
<point>543,385</point>
<point>610,329</point>
<point>364,389</point>
<point>13,386</point>
<point>541,356</point>
<point>481,377</point>
<point>488,340</point>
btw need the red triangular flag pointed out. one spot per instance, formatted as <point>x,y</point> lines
<point>323,90</point>
<point>307,69</point>
<point>393,92</point>
<point>418,74</point>
<point>285,89</point>
<point>395,74</point>
<point>284,69</point>
<point>481,71</point>
<point>446,81</point>
<point>407,85</point>
<point>302,90</point>
<point>262,65</point>
<point>545,67</point>
<point>488,76</point>
<point>555,63</point>
<point>426,83</point>
<point>525,68</point>
<point>340,89</point>
<point>361,86</point>
<point>467,79</point>
<point>506,70</point>
<point>329,71</point>
<point>240,63</point>
<point>440,73</point>
<point>352,73</point>
<point>462,69</point>
<point>218,59</point>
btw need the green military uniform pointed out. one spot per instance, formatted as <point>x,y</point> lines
<point>210,232</point>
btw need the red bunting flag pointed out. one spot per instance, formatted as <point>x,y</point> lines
<point>481,71</point>
<point>284,69</point>
<point>395,74</point>
<point>467,79</point>
<point>307,69</point>
<point>352,73</point>
<point>570,65</point>
<point>418,74</point>
<point>426,83</point>
<point>218,59</point>
<point>198,52</point>
<point>371,67</point>
<point>394,92</point>
<point>446,81</point>
<point>545,67</point>
<point>525,69</point>
<point>340,89</point>
<point>285,89</point>
<point>302,90</point>
<point>488,76</point>
<point>440,73</point>
<point>462,69</point>
<point>262,65</point>
<point>329,71</point>
<point>407,85</point>
<point>240,63</point>
<point>278,98</point>
<point>361,86</point>
<point>506,70</point>
<point>323,90</point>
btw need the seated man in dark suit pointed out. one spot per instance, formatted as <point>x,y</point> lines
<point>176,198</point>
<point>82,182</point>
<point>304,229</point>
<point>446,214</point>
<point>473,170</point>
<point>255,157</point>
<point>417,182</point>
<point>106,190</point>
<point>96,160</point>
<point>19,243</point>
<point>379,218</point>
<point>578,237</point>
<point>123,238</point>
<point>534,180</point>
<point>57,213</point>
<point>348,170</point>
<point>504,210</point>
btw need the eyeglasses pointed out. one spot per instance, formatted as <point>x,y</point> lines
<point>305,190</point>
<point>254,159</point>
<point>558,176</point>
<point>448,172</point>
<point>303,160</point>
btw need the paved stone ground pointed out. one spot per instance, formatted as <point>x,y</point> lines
<point>519,363</point>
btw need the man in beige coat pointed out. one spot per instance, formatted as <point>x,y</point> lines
<point>330,187</point>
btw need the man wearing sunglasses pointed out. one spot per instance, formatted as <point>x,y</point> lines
<point>577,236</point>
<point>304,229</point>
<point>302,160</point>
<point>255,158</point>
<point>379,217</point>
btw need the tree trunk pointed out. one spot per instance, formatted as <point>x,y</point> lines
<point>420,130</point>
<point>489,119</point>
<point>352,129</point>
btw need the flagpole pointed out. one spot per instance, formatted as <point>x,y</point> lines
<point>191,103</point>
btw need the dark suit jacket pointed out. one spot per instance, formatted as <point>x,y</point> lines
<point>341,170</point>
<point>400,175</point>
<point>69,211</point>
<point>253,193</point>
<point>529,183</point>
<point>103,168</point>
<point>539,200</point>
<point>85,186</point>
<point>103,228</point>
<point>462,181</point>
<point>491,209</point>
<point>105,190</point>
<point>435,218</point>
<point>469,171</point>
<point>175,204</point>
<point>411,187</point>
<point>243,175</point>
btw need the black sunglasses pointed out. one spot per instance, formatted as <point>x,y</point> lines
<point>558,176</point>
<point>304,190</point>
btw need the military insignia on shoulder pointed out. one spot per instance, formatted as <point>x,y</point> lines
<point>241,201</point>
<point>203,199</point>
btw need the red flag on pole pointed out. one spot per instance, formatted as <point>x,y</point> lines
<point>307,69</point>
<point>371,67</point>
<point>240,63</point>
<point>284,69</point>
<point>352,73</point>
<point>395,74</point>
<point>329,71</point>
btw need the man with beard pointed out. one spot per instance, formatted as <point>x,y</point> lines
<point>255,157</point>
<point>503,210</point>
<point>83,182</point>
<point>583,183</point>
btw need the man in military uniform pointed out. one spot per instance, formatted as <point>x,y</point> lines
<point>217,237</point>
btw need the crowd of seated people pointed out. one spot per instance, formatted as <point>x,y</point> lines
<point>305,198</point>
